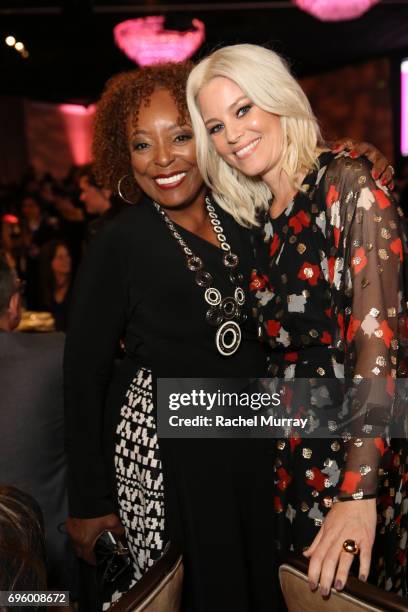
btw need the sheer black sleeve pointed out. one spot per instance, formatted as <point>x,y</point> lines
<point>368,252</point>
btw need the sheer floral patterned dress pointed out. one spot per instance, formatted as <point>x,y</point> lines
<point>330,302</point>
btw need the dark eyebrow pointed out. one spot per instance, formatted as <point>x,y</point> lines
<point>137,132</point>
<point>237,101</point>
<point>175,126</point>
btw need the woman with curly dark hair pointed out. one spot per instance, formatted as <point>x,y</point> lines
<point>139,283</point>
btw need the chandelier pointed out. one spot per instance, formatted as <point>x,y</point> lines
<point>145,41</point>
<point>335,10</point>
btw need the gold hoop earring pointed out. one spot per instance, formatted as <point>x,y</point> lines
<point>119,187</point>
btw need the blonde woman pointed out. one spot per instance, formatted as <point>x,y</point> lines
<point>329,294</point>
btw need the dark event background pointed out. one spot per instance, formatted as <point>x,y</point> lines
<point>350,69</point>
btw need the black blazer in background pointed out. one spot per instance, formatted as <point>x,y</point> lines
<point>32,437</point>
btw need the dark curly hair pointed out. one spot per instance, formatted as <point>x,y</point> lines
<point>121,99</point>
<point>22,542</point>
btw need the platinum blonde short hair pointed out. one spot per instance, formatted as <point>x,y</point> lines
<point>265,78</point>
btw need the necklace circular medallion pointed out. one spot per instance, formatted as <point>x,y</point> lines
<point>228,338</point>
<point>222,311</point>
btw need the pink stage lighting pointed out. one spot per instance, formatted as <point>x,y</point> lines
<point>335,10</point>
<point>78,122</point>
<point>145,41</point>
<point>404,107</point>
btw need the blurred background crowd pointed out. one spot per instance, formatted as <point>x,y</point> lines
<point>46,224</point>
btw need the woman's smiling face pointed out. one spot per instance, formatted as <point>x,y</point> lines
<point>245,136</point>
<point>163,153</point>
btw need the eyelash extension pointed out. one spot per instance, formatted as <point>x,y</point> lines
<point>139,146</point>
<point>184,137</point>
<point>214,129</point>
<point>246,106</point>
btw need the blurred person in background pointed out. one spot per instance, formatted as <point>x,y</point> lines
<point>36,229</point>
<point>35,232</point>
<point>56,281</point>
<point>71,222</point>
<point>22,544</point>
<point>99,202</point>
<point>10,239</point>
<point>31,421</point>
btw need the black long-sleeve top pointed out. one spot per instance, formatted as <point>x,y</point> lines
<point>134,285</point>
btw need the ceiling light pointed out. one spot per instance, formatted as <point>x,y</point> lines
<point>335,10</point>
<point>10,41</point>
<point>145,41</point>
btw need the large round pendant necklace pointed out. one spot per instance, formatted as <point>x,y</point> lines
<point>223,313</point>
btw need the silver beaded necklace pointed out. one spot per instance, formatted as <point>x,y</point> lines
<point>224,313</point>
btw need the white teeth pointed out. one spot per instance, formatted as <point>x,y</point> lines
<point>249,147</point>
<point>171,179</point>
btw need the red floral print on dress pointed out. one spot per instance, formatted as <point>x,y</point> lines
<point>273,327</point>
<point>331,263</point>
<point>396,247</point>
<point>258,281</point>
<point>278,504</point>
<point>380,444</point>
<point>332,196</point>
<point>299,221</point>
<point>316,479</point>
<point>381,199</point>
<point>284,479</point>
<point>348,210</point>
<point>275,244</point>
<point>387,333</point>
<point>325,338</point>
<point>350,482</point>
<point>309,272</point>
<point>359,260</point>
<point>352,328</point>
<point>336,234</point>
<point>294,442</point>
<point>291,356</point>
<point>287,397</point>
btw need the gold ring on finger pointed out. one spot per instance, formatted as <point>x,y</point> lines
<point>350,546</point>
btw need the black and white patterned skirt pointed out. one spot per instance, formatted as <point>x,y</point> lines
<point>139,477</point>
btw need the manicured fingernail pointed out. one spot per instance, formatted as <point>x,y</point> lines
<point>375,175</point>
<point>384,181</point>
<point>313,586</point>
<point>353,154</point>
<point>363,578</point>
<point>391,186</point>
<point>324,591</point>
<point>338,585</point>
